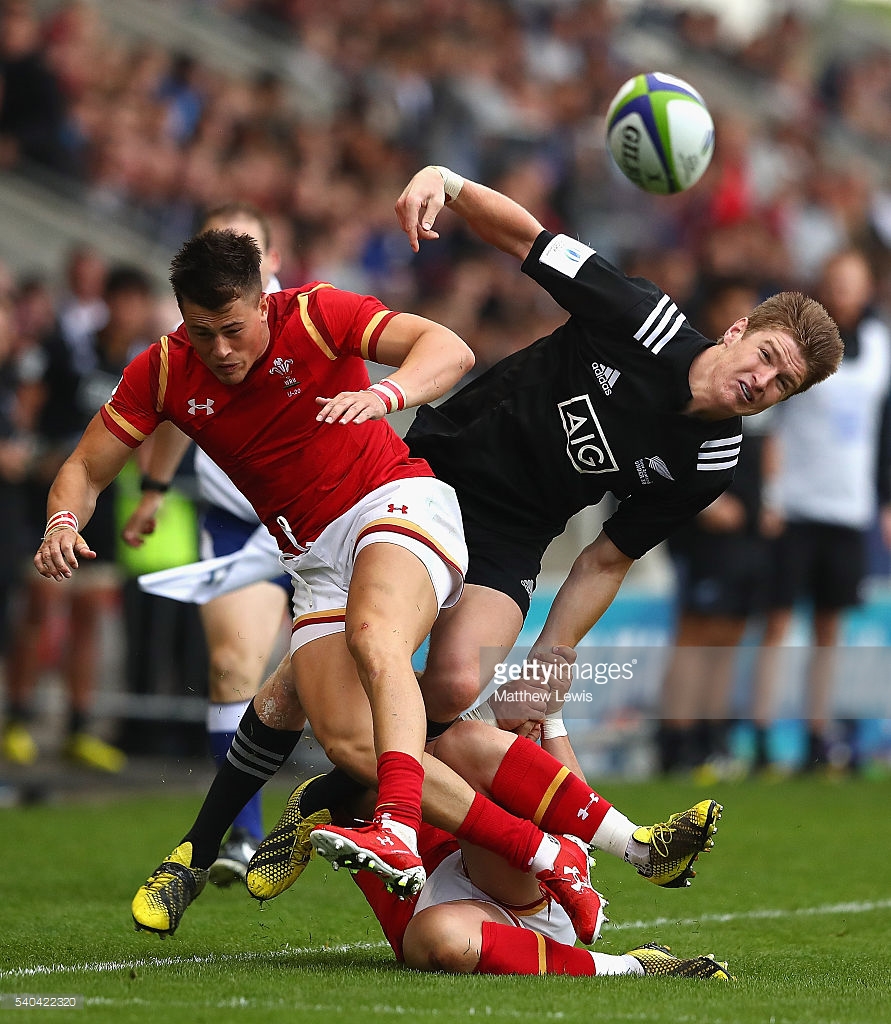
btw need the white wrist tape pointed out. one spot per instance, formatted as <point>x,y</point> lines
<point>452,183</point>
<point>61,521</point>
<point>553,726</point>
<point>390,393</point>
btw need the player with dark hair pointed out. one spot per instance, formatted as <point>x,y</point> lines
<point>373,541</point>
<point>275,389</point>
<point>240,627</point>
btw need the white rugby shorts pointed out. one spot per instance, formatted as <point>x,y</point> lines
<point>420,514</point>
<point>449,882</point>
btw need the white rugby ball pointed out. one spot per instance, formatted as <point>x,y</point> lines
<point>660,133</point>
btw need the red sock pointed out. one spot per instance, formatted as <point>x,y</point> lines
<point>531,783</point>
<point>509,950</point>
<point>400,778</point>
<point>495,829</point>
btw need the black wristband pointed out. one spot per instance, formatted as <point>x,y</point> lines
<point>148,484</point>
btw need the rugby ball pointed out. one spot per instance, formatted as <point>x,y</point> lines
<point>660,133</point>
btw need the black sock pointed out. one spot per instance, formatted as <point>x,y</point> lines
<point>256,754</point>
<point>336,792</point>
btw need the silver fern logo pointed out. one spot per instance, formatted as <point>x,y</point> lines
<point>654,463</point>
<point>658,466</point>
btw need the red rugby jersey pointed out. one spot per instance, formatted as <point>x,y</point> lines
<point>263,432</point>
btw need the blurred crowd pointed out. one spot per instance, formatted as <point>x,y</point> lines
<point>511,92</point>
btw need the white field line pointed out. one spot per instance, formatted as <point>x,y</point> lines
<point>105,966</point>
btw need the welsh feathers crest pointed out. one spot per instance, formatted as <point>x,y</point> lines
<point>281,366</point>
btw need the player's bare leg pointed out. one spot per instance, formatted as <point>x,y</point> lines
<point>466,643</point>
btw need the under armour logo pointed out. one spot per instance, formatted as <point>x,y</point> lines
<point>195,405</point>
<point>385,840</point>
<point>281,366</point>
<point>398,508</point>
<point>578,884</point>
<point>583,813</point>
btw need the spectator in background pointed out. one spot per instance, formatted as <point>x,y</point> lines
<point>81,309</point>
<point>77,381</point>
<point>720,562</point>
<point>16,455</point>
<point>32,106</point>
<point>834,454</point>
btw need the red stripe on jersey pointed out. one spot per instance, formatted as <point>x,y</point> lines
<point>410,530</point>
<point>373,332</point>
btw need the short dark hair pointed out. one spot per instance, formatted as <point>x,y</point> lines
<point>216,267</point>
<point>240,208</point>
<point>808,324</point>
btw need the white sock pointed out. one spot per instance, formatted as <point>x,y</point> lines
<point>613,833</point>
<point>607,963</point>
<point>405,832</point>
<point>545,855</point>
<point>225,717</point>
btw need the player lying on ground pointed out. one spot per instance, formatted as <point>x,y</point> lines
<point>478,915</point>
<point>514,781</point>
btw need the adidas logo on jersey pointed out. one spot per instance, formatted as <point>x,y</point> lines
<point>528,586</point>
<point>606,376</point>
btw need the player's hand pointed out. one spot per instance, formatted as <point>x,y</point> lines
<point>558,672</point>
<point>520,701</point>
<point>58,553</point>
<point>351,407</point>
<point>419,204</point>
<point>143,519</point>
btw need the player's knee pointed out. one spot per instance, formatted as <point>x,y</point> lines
<point>449,693</point>
<point>438,940</point>
<point>375,646</point>
<point>230,676</point>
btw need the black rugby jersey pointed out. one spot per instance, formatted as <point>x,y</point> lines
<point>593,408</point>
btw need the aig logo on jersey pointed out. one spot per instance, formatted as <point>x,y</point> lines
<point>586,444</point>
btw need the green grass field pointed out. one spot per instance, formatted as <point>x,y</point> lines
<point>796,896</point>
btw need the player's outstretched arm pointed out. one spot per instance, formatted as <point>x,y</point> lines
<point>496,218</point>
<point>586,593</point>
<point>91,467</point>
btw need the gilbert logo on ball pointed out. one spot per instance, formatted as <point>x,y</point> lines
<point>660,133</point>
